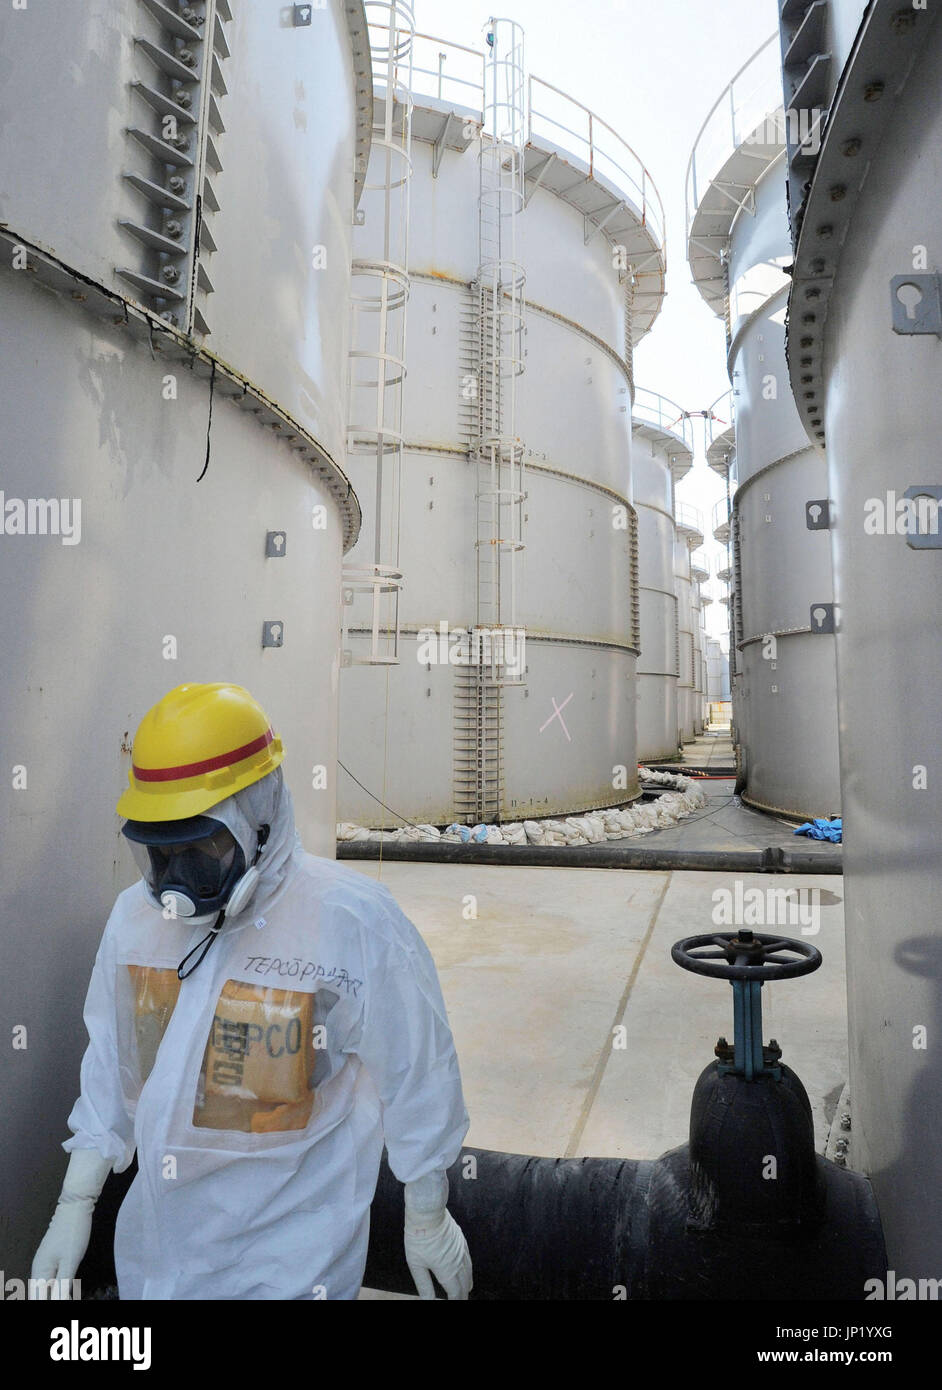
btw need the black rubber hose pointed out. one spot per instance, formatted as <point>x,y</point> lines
<point>537,1228</point>
<point>771,860</point>
<point>608,1229</point>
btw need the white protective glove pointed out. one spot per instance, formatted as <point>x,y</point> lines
<point>66,1240</point>
<point>434,1241</point>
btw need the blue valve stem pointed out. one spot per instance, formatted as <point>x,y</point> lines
<point>747,1028</point>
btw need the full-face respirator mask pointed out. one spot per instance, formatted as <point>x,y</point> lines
<point>194,869</point>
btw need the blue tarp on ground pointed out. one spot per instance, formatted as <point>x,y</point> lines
<point>823,830</point>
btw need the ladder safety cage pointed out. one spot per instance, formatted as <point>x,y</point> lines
<point>377,357</point>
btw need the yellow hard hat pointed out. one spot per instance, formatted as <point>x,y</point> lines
<point>198,745</point>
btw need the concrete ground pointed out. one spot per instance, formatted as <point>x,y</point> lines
<point>559,966</point>
<point>726,823</point>
<point>712,748</point>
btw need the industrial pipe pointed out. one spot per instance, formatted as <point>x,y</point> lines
<point>608,1229</point>
<point>771,860</point>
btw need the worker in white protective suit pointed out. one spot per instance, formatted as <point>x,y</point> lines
<point>259,1022</point>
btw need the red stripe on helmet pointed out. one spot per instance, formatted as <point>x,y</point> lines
<point>173,774</point>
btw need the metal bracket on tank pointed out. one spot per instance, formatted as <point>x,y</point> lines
<point>917,304</point>
<point>822,617</point>
<point>931,537</point>
<point>818,514</point>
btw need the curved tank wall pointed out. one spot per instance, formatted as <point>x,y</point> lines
<point>788,762</point>
<point>566,740</point>
<point>705,601</point>
<point>783,568</point>
<point>152,462</point>
<point>700,573</point>
<point>689,525</point>
<point>721,457</point>
<point>877,401</point>
<point>699,685</point>
<point>661,452</point>
<point>717,691</point>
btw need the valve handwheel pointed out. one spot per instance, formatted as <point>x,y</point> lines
<point>745,955</point>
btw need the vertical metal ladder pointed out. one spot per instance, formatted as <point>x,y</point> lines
<point>379,293</point>
<point>497,451</point>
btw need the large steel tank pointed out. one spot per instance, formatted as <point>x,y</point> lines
<point>177,196</point>
<point>738,246</point>
<point>864,353</point>
<point>431,737</point>
<point>688,522</point>
<point>717,691</point>
<point>662,454</point>
<point>721,457</point>
<point>700,574</point>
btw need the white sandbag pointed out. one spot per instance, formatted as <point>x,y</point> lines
<point>515,834</point>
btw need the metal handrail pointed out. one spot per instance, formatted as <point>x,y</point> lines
<point>722,416</point>
<point>625,172</point>
<point>685,514</point>
<point>602,149</point>
<point>440,82</point>
<point>665,414</point>
<point>722,511</point>
<point>733,117</point>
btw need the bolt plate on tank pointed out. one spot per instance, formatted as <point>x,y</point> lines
<point>273,634</point>
<point>857,120</point>
<point>276,544</point>
<point>932,538</point>
<point>818,514</point>
<point>916,304</point>
<point>822,618</point>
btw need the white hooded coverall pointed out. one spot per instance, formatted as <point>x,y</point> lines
<point>259,1090</point>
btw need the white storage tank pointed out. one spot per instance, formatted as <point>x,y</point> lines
<point>700,574</point>
<point>662,454</point>
<point>717,672</point>
<point>436,737</point>
<point>689,528</point>
<point>172,186</point>
<point>738,248</point>
<point>721,457</point>
<point>864,327</point>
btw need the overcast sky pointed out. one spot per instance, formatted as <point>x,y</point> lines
<point>652,69</point>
